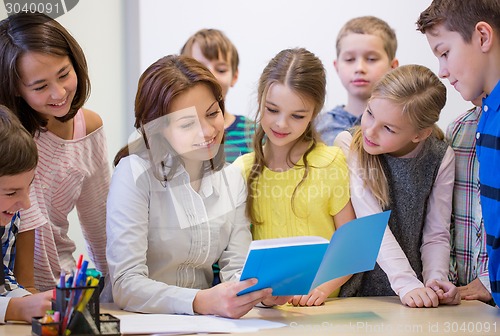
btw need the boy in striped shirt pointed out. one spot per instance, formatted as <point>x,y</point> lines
<point>213,49</point>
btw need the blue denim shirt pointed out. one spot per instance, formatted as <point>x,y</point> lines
<point>330,124</point>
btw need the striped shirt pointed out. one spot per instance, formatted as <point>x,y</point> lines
<point>69,173</point>
<point>488,154</point>
<point>468,259</point>
<point>238,140</point>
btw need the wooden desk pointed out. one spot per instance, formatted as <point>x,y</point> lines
<point>358,316</point>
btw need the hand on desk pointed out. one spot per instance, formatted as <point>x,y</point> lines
<point>446,291</point>
<point>319,294</point>
<point>475,290</point>
<point>222,300</point>
<point>315,298</point>
<point>26,307</point>
<point>421,297</point>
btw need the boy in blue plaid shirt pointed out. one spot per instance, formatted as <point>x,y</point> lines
<point>464,36</point>
<point>19,157</point>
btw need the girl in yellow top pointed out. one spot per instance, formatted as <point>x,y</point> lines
<point>297,186</point>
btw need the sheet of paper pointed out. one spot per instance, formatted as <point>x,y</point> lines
<point>289,241</point>
<point>181,324</point>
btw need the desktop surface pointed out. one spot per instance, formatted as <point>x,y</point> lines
<point>357,316</point>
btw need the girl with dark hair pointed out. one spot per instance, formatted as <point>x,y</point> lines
<point>45,83</point>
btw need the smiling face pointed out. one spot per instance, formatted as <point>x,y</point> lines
<point>14,194</point>
<point>463,64</point>
<point>48,83</point>
<point>387,131</point>
<point>362,61</point>
<point>285,116</point>
<point>196,127</point>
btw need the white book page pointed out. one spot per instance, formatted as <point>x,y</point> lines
<point>289,241</point>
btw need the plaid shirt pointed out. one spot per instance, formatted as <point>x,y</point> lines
<point>9,253</point>
<point>468,259</point>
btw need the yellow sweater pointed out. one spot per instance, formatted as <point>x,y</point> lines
<point>322,195</point>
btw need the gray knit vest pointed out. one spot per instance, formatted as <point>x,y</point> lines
<point>410,185</point>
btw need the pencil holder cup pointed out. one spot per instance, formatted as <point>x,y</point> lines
<point>79,315</point>
<point>66,296</point>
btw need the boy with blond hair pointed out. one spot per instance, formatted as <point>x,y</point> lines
<point>366,50</point>
<point>465,37</point>
<point>213,49</point>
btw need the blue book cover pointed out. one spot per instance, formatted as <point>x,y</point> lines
<point>295,265</point>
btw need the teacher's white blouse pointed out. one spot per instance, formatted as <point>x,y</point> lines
<point>163,240</point>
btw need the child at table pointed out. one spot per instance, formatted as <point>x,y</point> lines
<point>399,161</point>
<point>296,185</point>
<point>174,206</point>
<point>465,38</point>
<point>46,84</point>
<point>19,158</point>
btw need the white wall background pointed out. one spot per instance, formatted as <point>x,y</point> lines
<point>262,28</point>
<point>122,38</point>
<point>98,27</point>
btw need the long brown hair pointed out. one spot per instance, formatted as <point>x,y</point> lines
<point>158,86</point>
<point>35,32</point>
<point>421,96</point>
<point>303,72</point>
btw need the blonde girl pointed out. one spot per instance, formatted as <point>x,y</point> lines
<point>399,161</point>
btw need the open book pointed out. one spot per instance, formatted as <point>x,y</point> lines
<point>295,265</point>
